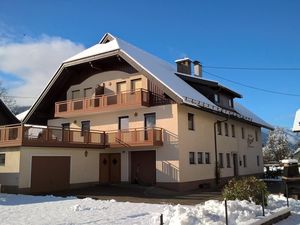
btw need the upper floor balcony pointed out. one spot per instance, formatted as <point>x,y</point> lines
<point>103,103</point>
<point>41,136</point>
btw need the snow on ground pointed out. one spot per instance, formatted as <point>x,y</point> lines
<point>25,209</point>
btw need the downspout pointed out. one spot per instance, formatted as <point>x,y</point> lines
<point>217,178</point>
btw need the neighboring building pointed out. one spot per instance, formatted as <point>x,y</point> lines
<point>296,127</point>
<point>115,113</point>
<point>296,154</point>
<point>6,116</point>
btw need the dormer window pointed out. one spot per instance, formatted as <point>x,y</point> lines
<point>217,98</point>
<point>230,103</point>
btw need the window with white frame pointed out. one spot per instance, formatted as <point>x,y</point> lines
<point>192,157</point>
<point>207,158</point>
<point>228,160</point>
<point>2,159</point>
<point>245,160</point>
<point>200,157</point>
<point>221,164</point>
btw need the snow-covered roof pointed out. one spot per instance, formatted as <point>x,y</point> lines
<point>162,71</point>
<point>286,161</point>
<point>296,127</point>
<point>22,115</point>
<point>297,151</point>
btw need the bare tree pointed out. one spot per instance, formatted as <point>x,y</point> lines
<point>9,101</point>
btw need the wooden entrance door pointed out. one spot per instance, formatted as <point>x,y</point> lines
<point>115,168</point>
<point>143,167</point>
<point>104,168</point>
<point>235,164</point>
<point>110,168</point>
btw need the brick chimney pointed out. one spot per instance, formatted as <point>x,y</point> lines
<point>184,66</point>
<point>197,68</point>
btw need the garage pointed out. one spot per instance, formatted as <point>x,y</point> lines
<point>50,173</point>
<point>143,167</point>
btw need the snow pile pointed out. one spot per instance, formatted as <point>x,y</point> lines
<point>213,212</point>
<point>22,209</point>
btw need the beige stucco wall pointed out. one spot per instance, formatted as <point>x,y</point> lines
<point>9,173</point>
<point>201,139</point>
<point>83,169</point>
<point>110,79</point>
<point>167,164</point>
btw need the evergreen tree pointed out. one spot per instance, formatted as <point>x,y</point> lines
<point>277,147</point>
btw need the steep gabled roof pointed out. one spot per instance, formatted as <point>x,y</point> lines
<point>9,117</point>
<point>158,69</point>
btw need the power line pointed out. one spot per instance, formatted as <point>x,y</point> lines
<point>13,96</point>
<point>253,87</point>
<point>251,68</point>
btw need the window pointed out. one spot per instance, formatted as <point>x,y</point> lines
<point>2,159</point>
<point>228,160</point>
<point>207,158</point>
<point>245,160</point>
<point>121,86</point>
<point>192,157</point>
<point>230,103</point>
<point>123,123</point>
<point>219,128</point>
<point>75,94</point>
<point>256,135</point>
<point>232,130</point>
<point>136,84</point>
<point>243,133</point>
<point>257,160</point>
<point>217,98</point>
<point>65,126</point>
<point>221,164</point>
<point>149,122</point>
<point>191,121</point>
<point>226,129</point>
<point>200,157</point>
<point>88,92</point>
<point>85,127</point>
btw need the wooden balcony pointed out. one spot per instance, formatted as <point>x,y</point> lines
<point>102,103</point>
<point>40,136</point>
<point>20,135</point>
<point>134,137</point>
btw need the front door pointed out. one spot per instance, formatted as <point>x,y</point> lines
<point>235,164</point>
<point>110,168</point>
<point>104,168</point>
<point>150,122</point>
<point>115,168</point>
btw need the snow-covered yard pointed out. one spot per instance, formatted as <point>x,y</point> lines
<point>22,209</point>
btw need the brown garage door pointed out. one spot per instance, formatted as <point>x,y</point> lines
<point>50,173</point>
<point>143,168</point>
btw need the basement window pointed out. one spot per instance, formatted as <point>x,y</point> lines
<point>2,159</point>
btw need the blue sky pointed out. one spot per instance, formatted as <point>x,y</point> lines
<point>218,33</point>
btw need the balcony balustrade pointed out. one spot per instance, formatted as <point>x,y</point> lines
<point>102,103</point>
<point>41,136</point>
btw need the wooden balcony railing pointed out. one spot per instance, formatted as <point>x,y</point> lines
<point>49,136</point>
<point>24,135</point>
<point>102,103</point>
<point>135,137</point>
<point>11,135</point>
